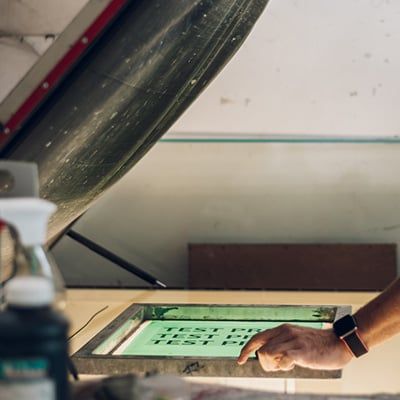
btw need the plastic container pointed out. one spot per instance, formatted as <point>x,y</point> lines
<point>33,343</point>
<point>27,220</point>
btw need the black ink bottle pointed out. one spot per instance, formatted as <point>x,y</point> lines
<point>33,342</point>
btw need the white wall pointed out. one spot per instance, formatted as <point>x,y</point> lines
<point>310,67</point>
<point>244,193</point>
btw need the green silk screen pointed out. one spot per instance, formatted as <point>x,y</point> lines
<point>195,338</point>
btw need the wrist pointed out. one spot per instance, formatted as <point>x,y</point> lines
<point>340,354</point>
<point>341,344</point>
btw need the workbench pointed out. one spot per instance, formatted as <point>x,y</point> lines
<point>377,372</point>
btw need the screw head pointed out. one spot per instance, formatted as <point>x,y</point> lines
<point>45,85</point>
<point>6,131</point>
<point>85,40</point>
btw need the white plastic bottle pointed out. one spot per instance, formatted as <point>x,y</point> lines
<point>29,218</point>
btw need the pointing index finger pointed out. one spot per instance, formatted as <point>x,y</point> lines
<point>253,345</point>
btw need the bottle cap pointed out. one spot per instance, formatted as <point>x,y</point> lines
<point>29,291</point>
<point>29,216</point>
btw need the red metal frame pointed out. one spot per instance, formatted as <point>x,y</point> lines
<point>63,66</point>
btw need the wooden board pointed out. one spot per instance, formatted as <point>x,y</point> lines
<point>292,266</point>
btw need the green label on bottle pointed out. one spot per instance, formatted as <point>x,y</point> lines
<point>34,368</point>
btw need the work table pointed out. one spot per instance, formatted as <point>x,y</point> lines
<point>377,372</point>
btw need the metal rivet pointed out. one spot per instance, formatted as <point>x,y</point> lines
<point>45,85</point>
<point>85,40</point>
<point>7,131</point>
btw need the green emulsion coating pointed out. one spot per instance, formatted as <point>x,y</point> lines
<point>196,338</point>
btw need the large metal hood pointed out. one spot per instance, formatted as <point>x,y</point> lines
<point>124,94</point>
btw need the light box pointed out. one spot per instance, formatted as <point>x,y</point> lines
<point>195,340</point>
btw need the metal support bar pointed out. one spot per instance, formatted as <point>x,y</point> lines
<point>115,259</point>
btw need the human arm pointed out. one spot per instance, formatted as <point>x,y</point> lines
<point>379,320</point>
<point>284,347</point>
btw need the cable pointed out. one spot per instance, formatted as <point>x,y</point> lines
<point>71,366</point>
<point>87,322</point>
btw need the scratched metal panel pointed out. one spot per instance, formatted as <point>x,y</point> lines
<point>124,95</point>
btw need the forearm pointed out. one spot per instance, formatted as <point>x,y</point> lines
<point>285,346</point>
<point>379,319</point>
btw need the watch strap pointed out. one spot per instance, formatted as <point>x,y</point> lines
<point>346,330</point>
<point>355,344</point>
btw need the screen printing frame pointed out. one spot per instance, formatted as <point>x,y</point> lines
<point>97,356</point>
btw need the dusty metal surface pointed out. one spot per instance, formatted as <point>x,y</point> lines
<point>98,355</point>
<point>216,368</point>
<point>241,313</point>
<point>128,90</point>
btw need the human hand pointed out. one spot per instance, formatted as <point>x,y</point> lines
<point>285,346</point>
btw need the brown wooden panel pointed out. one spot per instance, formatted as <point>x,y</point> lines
<point>292,266</point>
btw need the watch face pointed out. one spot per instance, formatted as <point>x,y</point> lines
<point>344,325</point>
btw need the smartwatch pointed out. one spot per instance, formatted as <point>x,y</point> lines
<point>346,329</point>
